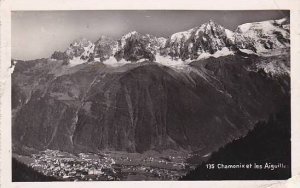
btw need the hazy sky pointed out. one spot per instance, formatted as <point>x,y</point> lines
<point>37,34</point>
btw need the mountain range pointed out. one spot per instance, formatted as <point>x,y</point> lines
<point>195,90</point>
<point>209,39</point>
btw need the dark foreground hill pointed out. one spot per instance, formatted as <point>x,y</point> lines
<point>269,142</point>
<point>23,173</point>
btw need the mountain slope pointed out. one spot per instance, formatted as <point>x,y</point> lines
<point>144,106</point>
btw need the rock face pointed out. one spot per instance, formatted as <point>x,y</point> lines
<point>208,38</point>
<point>81,48</point>
<point>145,105</point>
<point>134,46</point>
<point>104,48</point>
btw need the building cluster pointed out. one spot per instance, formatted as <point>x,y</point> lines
<point>155,173</point>
<point>85,166</point>
<point>53,163</point>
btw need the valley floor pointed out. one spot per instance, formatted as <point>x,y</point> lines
<point>108,165</point>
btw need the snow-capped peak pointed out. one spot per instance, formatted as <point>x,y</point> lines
<point>80,42</point>
<point>126,36</point>
<point>177,37</point>
<point>284,20</point>
<point>209,37</point>
<point>243,28</point>
<point>80,51</point>
<point>132,33</point>
<point>262,36</point>
<point>265,26</point>
<point>209,25</point>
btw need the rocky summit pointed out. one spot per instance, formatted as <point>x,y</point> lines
<point>194,91</point>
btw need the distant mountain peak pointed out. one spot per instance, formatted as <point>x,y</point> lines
<point>210,25</point>
<point>284,20</point>
<point>211,22</point>
<point>131,33</point>
<point>104,37</point>
<point>263,36</point>
<point>80,42</point>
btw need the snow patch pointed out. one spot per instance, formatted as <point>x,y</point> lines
<point>88,49</point>
<point>204,55</point>
<point>244,27</point>
<point>76,61</point>
<point>246,51</point>
<point>97,59</point>
<point>229,34</point>
<point>273,52</point>
<point>181,64</point>
<point>252,28</point>
<point>274,68</point>
<point>142,60</point>
<point>112,62</point>
<point>224,52</point>
<point>280,21</point>
<point>178,36</point>
<point>171,62</point>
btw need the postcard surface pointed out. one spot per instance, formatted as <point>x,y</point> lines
<point>174,96</point>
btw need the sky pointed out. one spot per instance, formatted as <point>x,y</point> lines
<point>37,34</point>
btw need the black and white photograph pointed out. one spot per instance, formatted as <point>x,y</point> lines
<point>117,95</point>
<point>140,93</point>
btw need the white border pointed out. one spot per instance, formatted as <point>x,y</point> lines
<point>5,82</point>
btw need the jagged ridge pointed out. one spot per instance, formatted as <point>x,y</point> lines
<point>199,42</point>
